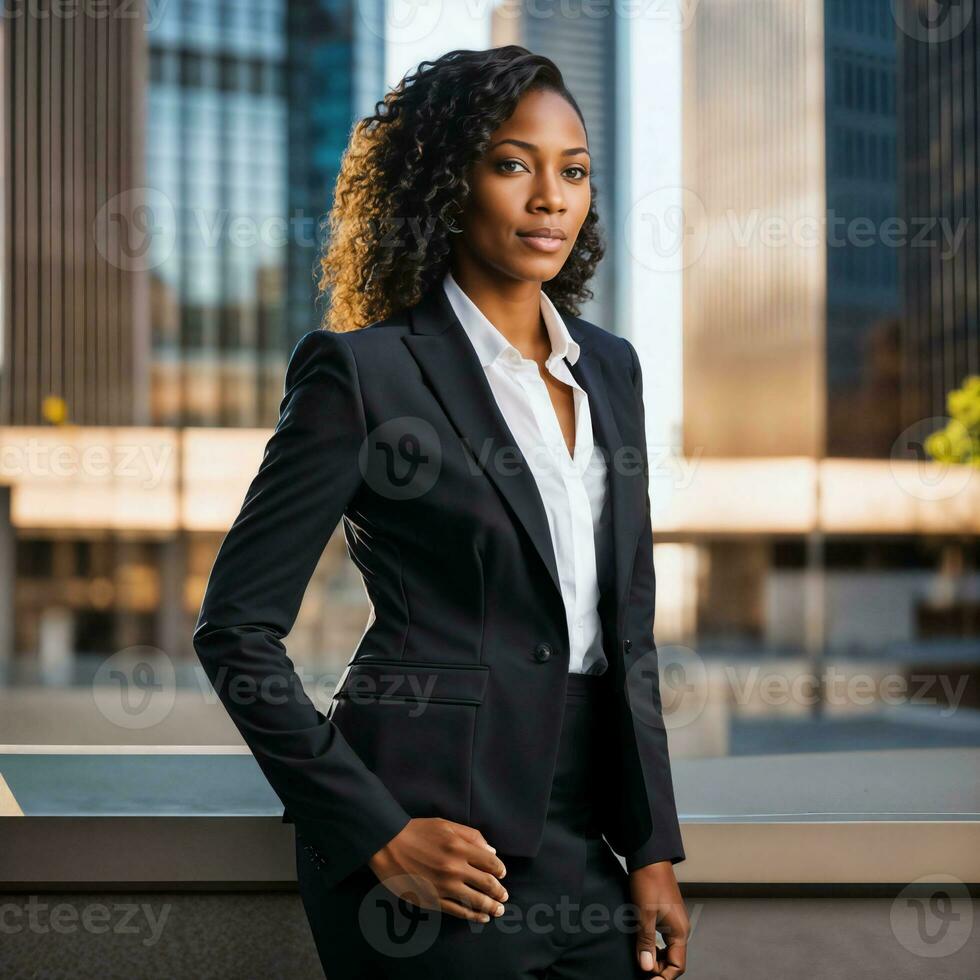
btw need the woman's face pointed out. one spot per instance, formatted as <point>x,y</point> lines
<point>534,175</point>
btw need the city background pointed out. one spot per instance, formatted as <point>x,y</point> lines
<point>788,190</point>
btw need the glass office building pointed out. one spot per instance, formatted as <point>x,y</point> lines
<point>940,127</point>
<point>790,125</point>
<point>200,146</point>
<point>250,106</point>
<point>863,300</point>
<point>806,526</point>
<point>588,43</point>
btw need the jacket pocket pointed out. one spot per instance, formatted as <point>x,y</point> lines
<point>413,724</point>
<point>414,680</point>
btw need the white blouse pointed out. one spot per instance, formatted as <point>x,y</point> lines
<point>573,489</point>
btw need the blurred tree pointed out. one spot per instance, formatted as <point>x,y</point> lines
<point>959,441</point>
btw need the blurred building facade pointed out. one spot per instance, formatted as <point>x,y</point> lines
<point>801,341</point>
<point>73,317</point>
<point>940,137</point>
<point>797,349</point>
<point>791,292</point>
<point>586,41</point>
<point>165,168</point>
<point>250,108</point>
<point>863,301</point>
<point>335,61</point>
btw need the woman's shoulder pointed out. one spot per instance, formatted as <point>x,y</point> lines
<point>348,354</point>
<point>612,348</point>
<point>362,340</point>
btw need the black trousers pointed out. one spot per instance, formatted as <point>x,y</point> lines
<point>569,915</point>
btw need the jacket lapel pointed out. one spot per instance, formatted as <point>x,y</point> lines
<point>451,367</point>
<point>589,373</point>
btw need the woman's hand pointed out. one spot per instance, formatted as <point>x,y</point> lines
<point>658,897</point>
<point>439,864</point>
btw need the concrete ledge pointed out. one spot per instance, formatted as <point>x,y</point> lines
<point>206,818</point>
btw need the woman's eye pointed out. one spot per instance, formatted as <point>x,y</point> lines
<point>580,171</point>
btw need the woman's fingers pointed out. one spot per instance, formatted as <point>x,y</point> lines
<point>448,862</point>
<point>450,907</point>
<point>487,884</point>
<point>484,860</point>
<point>471,898</point>
<point>477,850</point>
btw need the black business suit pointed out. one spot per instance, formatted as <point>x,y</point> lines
<point>394,428</point>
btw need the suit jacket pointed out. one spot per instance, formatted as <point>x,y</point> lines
<point>451,704</point>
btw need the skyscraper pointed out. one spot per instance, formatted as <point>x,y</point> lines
<point>250,108</point>
<point>863,301</point>
<point>940,133</point>
<point>73,309</point>
<point>586,41</point>
<point>791,288</point>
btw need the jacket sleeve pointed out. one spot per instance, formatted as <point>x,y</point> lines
<point>308,475</point>
<point>664,842</point>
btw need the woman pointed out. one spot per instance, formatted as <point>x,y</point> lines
<point>500,716</point>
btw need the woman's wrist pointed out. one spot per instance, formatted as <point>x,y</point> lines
<point>654,869</point>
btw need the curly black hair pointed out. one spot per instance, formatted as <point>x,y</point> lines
<point>402,182</point>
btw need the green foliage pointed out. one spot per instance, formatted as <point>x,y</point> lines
<point>959,441</point>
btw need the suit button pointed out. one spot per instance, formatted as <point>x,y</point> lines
<point>627,645</point>
<point>542,652</point>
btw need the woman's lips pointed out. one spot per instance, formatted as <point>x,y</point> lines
<point>542,244</point>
